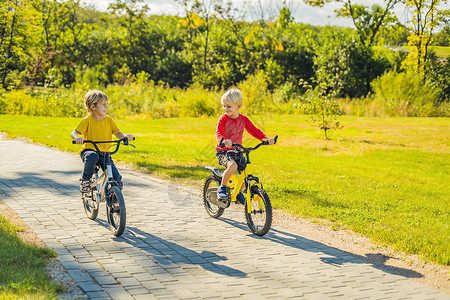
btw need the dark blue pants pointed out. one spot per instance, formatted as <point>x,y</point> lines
<point>90,159</point>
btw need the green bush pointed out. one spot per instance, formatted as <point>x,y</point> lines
<point>257,98</point>
<point>407,95</point>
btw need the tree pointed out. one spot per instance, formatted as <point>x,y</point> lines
<point>348,66</point>
<point>231,16</point>
<point>19,32</point>
<point>198,18</point>
<point>367,22</point>
<point>131,16</point>
<point>323,108</point>
<point>425,18</point>
<point>442,38</point>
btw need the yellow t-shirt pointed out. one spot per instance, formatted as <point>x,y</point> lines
<point>95,130</point>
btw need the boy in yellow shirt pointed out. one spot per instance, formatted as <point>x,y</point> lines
<point>96,126</point>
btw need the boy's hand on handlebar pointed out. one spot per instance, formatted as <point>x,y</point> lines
<point>271,141</point>
<point>79,140</point>
<point>129,136</point>
<point>228,143</point>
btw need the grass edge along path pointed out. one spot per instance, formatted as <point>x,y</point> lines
<point>23,274</point>
<point>381,177</point>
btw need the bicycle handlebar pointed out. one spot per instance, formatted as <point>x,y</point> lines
<point>117,142</point>
<point>236,145</point>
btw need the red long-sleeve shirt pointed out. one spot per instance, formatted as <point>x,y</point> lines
<point>233,129</point>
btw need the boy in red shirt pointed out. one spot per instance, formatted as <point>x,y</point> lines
<point>231,127</point>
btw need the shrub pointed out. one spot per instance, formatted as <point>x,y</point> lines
<point>257,99</point>
<point>406,95</point>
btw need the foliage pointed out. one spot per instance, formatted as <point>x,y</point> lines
<point>19,30</point>
<point>393,35</point>
<point>256,97</point>
<point>405,95</point>
<point>439,75</point>
<point>425,19</point>
<point>61,43</point>
<point>368,23</point>
<point>348,66</point>
<point>323,108</point>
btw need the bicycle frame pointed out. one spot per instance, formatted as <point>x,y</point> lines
<point>101,182</point>
<point>106,177</point>
<point>250,181</point>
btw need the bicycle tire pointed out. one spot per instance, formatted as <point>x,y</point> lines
<point>115,211</point>
<point>212,210</point>
<point>90,205</point>
<point>259,220</point>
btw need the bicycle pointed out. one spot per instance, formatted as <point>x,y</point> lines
<point>258,209</point>
<point>104,187</point>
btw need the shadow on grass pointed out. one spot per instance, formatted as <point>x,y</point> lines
<point>333,256</point>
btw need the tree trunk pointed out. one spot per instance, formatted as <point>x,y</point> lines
<point>8,53</point>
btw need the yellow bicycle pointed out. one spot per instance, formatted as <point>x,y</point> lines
<point>258,210</point>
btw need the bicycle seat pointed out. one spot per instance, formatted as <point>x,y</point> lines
<point>215,171</point>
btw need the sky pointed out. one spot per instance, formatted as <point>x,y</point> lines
<point>318,16</point>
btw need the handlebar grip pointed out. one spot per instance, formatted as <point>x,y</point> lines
<point>276,139</point>
<point>74,142</point>
<point>221,144</point>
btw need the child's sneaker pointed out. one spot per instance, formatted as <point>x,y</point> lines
<point>240,198</point>
<point>85,186</point>
<point>222,192</point>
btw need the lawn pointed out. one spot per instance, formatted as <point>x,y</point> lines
<point>386,178</point>
<point>23,274</point>
<point>443,52</point>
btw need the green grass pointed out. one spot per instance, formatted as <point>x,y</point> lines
<point>23,274</point>
<point>386,178</point>
<point>442,52</point>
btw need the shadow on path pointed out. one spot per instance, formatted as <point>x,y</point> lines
<point>301,243</point>
<point>47,180</point>
<point>36,181</point>
<point>168,254</point>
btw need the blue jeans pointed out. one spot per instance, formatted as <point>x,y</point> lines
<point>90,159</point>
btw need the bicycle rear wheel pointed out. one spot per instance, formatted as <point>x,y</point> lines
<point>90,204</point>
<point>210,190</point>
<point>115,211</point>
<point>259,218</point>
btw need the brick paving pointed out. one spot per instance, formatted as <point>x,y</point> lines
<point>171,249</point>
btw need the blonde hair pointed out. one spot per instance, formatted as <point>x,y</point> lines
<point>233,95</point>
<point>92,97</point>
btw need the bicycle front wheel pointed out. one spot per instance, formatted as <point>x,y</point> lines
<point>115,211</point>
<point>259,214</point>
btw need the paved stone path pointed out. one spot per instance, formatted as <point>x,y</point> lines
<point>171,249</point>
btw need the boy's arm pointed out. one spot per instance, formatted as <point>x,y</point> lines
<point>253,130</point>
<point>257,133</point>
<point>120,135</point>
<point>75,136</point>
<point>220,133</point>
<point>220,129</point>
